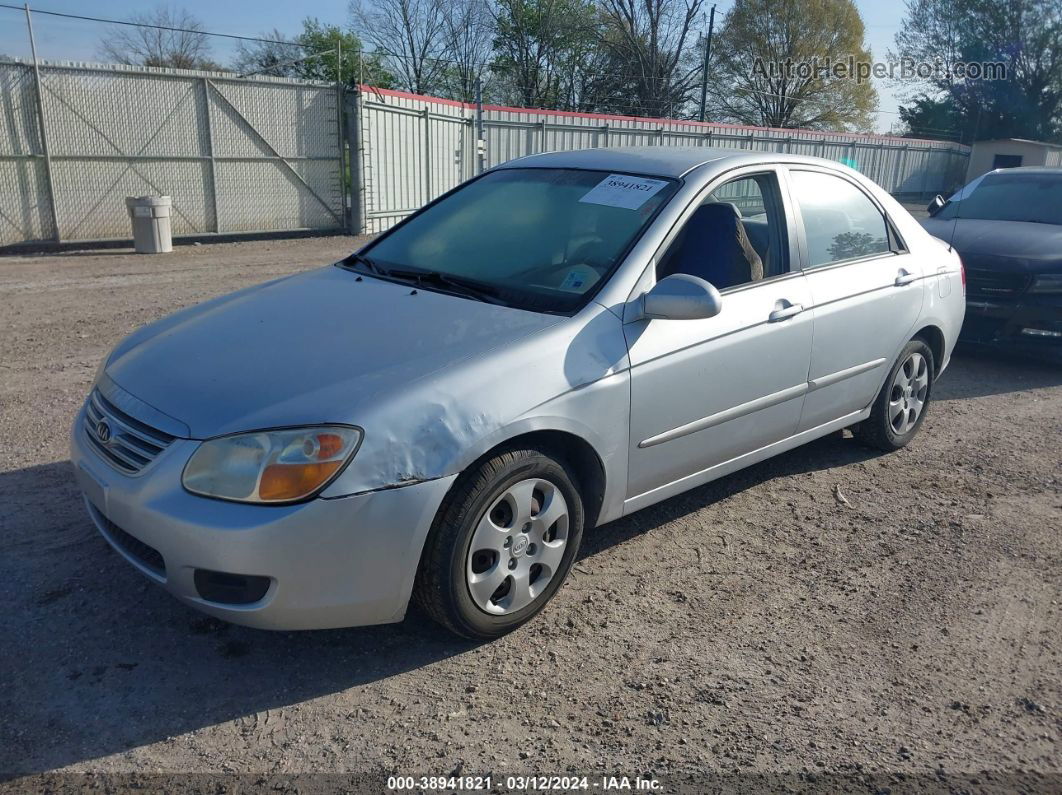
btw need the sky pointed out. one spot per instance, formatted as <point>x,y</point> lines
<point>67,39</point>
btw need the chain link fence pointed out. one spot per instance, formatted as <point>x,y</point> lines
<point>236,155</point>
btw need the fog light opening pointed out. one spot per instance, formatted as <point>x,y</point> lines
<point>230,589</point>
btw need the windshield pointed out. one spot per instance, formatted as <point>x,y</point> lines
<point>1010,197</point>
<point>539,239</point>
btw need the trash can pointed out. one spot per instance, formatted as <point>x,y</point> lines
<point>151,223</point>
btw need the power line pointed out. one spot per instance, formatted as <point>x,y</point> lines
<point>154,27</point>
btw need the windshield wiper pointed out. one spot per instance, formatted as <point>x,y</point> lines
<point>453,284</point>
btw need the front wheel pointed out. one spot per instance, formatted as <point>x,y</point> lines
<point>901,405</point>
<point>502,544</point>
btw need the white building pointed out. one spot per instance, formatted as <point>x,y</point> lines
<point>1010,153</point>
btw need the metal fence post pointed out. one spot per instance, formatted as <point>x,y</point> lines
<point>427,154</point>
<point>354,145</point>
<point>215,196</point>
<point>481,143</point>
<point>43,127</point>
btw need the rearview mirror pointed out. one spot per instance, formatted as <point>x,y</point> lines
<point>936,205</point>
<point>681,297</point>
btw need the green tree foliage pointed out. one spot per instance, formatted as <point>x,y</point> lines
<point>928,117</point>
<point>1024,35</point>
<point>312,55</point>
<point>757,34</point>
<point>537,48</point>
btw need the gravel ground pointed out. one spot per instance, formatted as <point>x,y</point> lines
<point>831,614</point>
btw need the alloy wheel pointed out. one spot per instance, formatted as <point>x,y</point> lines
<point>517,546</point>
<point>910,387</point>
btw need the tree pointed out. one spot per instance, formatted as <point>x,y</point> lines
<point>331,40</point>
<point>167,36</point>
<point>648,41</point>
<point>537,46</point>
<point>312,55</point>
<point>468,31</point>
<point>273,58</point>
<point>408,35</point>
<point>927,117</point>
<point>765,61</point>
<point>1024,36</point>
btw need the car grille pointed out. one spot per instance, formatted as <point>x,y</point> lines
<point>995,284</point>
<point>126,443</point>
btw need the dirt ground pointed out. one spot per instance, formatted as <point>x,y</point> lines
<point>832,615</point>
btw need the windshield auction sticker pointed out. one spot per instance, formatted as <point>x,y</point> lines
<point>620,190</point>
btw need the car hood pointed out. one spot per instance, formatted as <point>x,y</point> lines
<point>309,348</point>
<point>1015,245</point>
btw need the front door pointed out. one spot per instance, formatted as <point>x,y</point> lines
<point>706,391</point>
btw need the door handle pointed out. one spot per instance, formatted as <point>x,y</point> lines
<point>785,312</point>
<point>904,278</point>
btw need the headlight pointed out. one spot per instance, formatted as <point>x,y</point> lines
<point>270,466</point>
<point>1047,283</point>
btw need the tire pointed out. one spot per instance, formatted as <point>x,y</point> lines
<point>907,390</point>
<point>491,562</point>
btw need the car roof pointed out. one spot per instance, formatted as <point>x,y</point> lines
<point>1028,170</point>
<point>664,161</point>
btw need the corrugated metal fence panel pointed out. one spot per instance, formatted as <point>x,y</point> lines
<point>414,150</point>
<point>235,155</point>
<point>396,144</point>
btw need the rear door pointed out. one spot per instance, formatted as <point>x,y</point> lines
<point>865,286</point>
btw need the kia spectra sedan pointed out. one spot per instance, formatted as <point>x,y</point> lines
<point>559,342</point>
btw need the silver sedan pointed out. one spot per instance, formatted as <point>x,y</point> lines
<point>557,343</point>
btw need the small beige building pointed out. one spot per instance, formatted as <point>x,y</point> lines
<point>987,156</point>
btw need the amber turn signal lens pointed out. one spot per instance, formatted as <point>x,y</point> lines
<point>292,481</point>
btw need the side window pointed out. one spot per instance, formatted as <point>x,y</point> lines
<point>736,236</point>
<point>840,221</point>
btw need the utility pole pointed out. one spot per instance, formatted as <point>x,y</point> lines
<point>707,55</point>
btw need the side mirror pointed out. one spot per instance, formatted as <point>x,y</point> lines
<point>681,297</point>
<point>936,205</point>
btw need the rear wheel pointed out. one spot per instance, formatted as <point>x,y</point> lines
<point>901,405</point>
<point>502,544</point>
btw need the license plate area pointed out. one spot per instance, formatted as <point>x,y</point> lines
<point>93,488</point>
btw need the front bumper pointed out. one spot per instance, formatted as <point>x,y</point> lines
<point>1025,326</point>
<point>339,562</point>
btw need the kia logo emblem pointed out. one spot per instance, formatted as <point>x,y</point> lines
<point>103,431</point>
